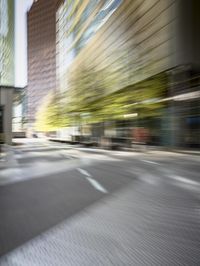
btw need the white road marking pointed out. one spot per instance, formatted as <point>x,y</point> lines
<point>96,185</point>
<point>82,171</point>
<point>184,180</point>
<point>92,181</point>
<point>146,161</point>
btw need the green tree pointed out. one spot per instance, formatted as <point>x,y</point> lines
<point>50,115</point>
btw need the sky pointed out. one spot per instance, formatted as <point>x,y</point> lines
<point>21,7</point>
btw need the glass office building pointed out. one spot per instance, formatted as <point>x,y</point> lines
<point>128,38</point>
<point>131,45</point>
<point>7,42</point>
<point>77,24</point>
<point>7,77</point>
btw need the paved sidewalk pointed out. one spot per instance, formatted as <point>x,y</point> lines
<point>135,148</point>
<point>7,159</point>
<point>8,165</point>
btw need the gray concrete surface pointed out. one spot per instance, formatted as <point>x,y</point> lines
<point>112,208</point>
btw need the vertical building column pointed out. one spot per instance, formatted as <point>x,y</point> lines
<point>6,100</point>
<point>179,83</point>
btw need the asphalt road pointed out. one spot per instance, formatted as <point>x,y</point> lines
<point>51,182</point>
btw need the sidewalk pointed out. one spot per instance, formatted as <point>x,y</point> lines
<point>142,149</point>
<point>7,157</point>
<point>134,148</point>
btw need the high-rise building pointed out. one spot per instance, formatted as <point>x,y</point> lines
<point>6,68</point>
<point>41,55</point>
<point>130,45</point>
<point>7,42</point>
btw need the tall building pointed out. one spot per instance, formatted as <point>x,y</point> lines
<point>132,46</point>
<point>41,55</point>
<point>6,68</point>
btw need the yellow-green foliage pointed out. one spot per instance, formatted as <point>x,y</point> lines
<point>50,114</point>
<point>87,101</point>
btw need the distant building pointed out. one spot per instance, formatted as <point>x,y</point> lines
<point>41,55</point>
<point>6,69</point>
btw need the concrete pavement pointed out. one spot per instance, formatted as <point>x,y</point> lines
<point>7,159</point>
<point>112,208</point>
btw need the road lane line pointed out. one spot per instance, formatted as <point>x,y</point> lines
<point>92,181</point>
<point>184,180</point>
<point>146,161</point>
<point>97,185</point>
<point>82,171</point>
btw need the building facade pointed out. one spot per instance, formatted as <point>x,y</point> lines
<point>6,69</point>
<point>131,44</point>
<point>117,36</point>
<point>41,55</point>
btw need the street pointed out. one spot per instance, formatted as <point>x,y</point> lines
<point>69,205</point>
